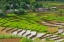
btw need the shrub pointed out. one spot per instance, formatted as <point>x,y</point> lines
<point>62,41</point>
<point>37,5</point>
<point>19,11</point>
<point>25,40</point>
<point>23,5</point>
<point>47,39</point>
<point>2,14</point>
<point>38,40</point>
<point>6,6</point>
<point>33,8</point>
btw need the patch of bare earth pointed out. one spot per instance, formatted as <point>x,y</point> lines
<point>10,40</point>
<point>52,22</point>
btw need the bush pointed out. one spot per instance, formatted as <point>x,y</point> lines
<point>23,5</point>
<point>37,5</point>
<point>25,40</point>
<point>33,8</point>
<point>7,6</point>
<point>19,11</point>
<point>2,14</point>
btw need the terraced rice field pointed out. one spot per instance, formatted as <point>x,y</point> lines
<point>30,34</point>
<point>21,25</point>
<point>22,22</point>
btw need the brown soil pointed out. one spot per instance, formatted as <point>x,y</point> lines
<point>61,6</point>
<point>52,22</point>
<point>10,40</point>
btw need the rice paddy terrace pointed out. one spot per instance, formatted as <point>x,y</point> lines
<point>56,24</point>
<point>29,25</point>
<point>29,34</point>
<point>24,21</point>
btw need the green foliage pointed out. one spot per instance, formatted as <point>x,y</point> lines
<point>7,6</point>
<point>47,39</point>
<point>27,1</point>
<point>60,12</point>
<point>62,41</point>
<point>61,18</point>
<point>23,22</point>
<point>32,2</point>
<point>1,14</point>
<point>19,11</point>
<point>33,8</point>
<point>51,0</point>
<point>37,5</point>
<point>37,40</point>
<point>8,36</point>
<point>25,40</point>
<point>23,5</point>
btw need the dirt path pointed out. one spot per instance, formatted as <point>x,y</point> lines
<point>10,40</point>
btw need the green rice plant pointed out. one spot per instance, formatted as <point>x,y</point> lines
<point>8,36</point>
<point>26,22</point>
<point>24,39</point>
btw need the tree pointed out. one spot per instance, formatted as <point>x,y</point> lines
<point>19,11</point>
<point>23,5</point>
<point>7,6</point>
<point>27,1</point>
<point>37,5</point>
<point>32,2</point>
